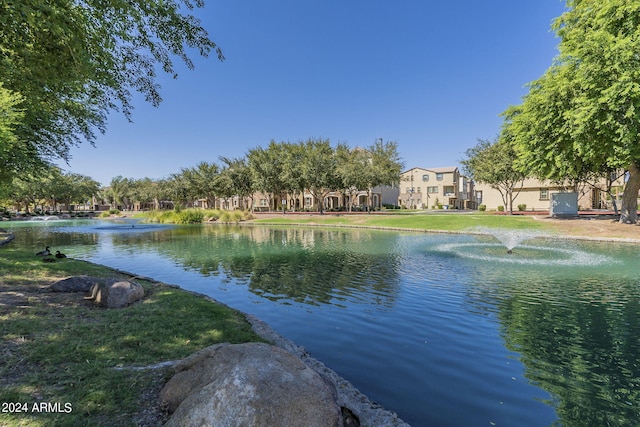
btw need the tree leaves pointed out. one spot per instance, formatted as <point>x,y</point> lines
<point>74,61</point>
<point>583,114</point>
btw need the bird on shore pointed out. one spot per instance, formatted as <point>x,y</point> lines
<point>60,255</point>
<point>45,252</point>
<point>47,259</point>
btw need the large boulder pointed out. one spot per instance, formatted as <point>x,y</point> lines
<point>252,384</point>
<point>114,293</point>
<point>76,284</point>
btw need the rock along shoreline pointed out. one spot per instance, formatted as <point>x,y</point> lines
<point>368,412</point>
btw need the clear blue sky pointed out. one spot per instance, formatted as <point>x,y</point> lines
<point>432,76</point>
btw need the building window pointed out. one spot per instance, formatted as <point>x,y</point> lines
<point>419,190</point>
<point>479,196</point>
<point>308,202</point>
<point>425,178</point>
<point>408,189</point>
<point>439,176</point>
<point>432,190</point>
<point>544,194</point>
<point>449,190</point>
<point>263,202</point>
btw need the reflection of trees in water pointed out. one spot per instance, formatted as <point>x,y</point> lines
<point>583,348</point>
<point>305,265</point>
<point>39,237</point>
<point>325,277</point>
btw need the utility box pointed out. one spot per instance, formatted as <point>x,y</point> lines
<point>564,205</point>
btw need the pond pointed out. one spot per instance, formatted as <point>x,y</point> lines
<point>445,330</point>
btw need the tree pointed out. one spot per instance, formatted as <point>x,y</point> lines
<point>267,170</point>
<point>493,163</point>
<point>16,157</point>
<point>318,169</point>
<point>118,191</point>
<point>239,174</point>
<point>49,186</point>
<point>179,190</point>
<point>73,62</point>
<point>67,188</point>
<point>84,188</point>
<point>384,166</point>
<point>583,114</point>
<point>24,191</point>
<point>351,167</point>
<point>144,191</point>
<point>202,182</point>
<point>293,174</point>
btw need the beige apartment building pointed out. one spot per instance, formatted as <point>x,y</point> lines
<point>447,188</point>
<point>434,188</point>
<point>535,195</point>
<point>334,200</point>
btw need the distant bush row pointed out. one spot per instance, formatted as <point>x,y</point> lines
<point>197,216</point>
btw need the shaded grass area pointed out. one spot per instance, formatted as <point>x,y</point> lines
<point>61,350</point>
<point>438,222</point>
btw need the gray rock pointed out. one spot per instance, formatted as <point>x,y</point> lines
<point>6,237</point>
<point>252,384</point>
<point>114,293</point>
<point>76,284</point>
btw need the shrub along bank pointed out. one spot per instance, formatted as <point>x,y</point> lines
<point>196,216</point>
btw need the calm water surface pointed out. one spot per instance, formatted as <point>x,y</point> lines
<point>444,330</point>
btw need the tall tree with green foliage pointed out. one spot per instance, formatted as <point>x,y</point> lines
<point>267,170</point>
<point>16,156</point>
<point>202,182</point>
<point>493,163</point>
<point>239,175</point>
<point>293,173</point>
<point>384,166</point>
<point>73,62</point>
<point>24,191</point>
<point>118,191</point>
<point>66,188</point>
<point>319,169</point>
<point>584,112</point>
<point>351,165</point>
<point>144,191</point>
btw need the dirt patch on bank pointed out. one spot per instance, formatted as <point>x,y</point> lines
<point>593,227</point>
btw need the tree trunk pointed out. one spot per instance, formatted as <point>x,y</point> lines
<point>510,202</point>
<point>629,210</point>
<point>505,197</point>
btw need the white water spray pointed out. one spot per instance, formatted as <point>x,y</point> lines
<point>510,238</point>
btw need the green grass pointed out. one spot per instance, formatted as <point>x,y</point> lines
<point>439,222</point>
<point>453,222</point>
<point>69,352</point>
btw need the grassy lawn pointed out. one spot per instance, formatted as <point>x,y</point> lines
<point>63,351</point>
<point>440,222</point>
